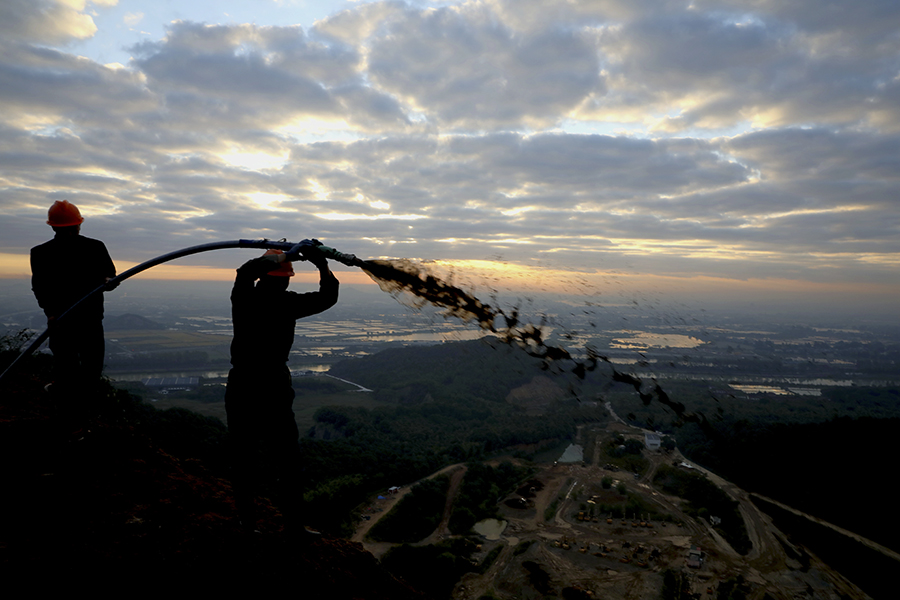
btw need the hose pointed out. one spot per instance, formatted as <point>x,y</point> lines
<point>347,259</point>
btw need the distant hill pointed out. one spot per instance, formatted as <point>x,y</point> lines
<point>484,369</point>
<point>129,322</point>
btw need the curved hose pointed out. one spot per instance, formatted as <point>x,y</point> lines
<point>347,259</point>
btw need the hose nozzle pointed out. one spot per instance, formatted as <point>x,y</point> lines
<point>348,259</point>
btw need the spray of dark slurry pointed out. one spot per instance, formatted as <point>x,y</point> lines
<point>398,277</point>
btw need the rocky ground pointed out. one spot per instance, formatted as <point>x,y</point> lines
<point>92,502</point>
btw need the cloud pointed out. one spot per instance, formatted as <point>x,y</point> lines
<point>245,76</point>
<point>353,26</point>
<point>467,70</point>
<point>46,21</point>
<point>763,138</point>
<point>43,86</point>
<point>133,18</point>
<point>746,62</point>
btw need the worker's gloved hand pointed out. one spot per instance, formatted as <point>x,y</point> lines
<point>298,252</point>
<point>110,285</point>
<point>310,251</point>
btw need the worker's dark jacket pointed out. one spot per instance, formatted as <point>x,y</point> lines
<point>259,393</point>
<point>264,321</point>
<point>65,270</point>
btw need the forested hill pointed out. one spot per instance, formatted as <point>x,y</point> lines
<point>440,405</point>
<point>483,369</point>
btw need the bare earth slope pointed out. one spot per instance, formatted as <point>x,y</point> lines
<point>568,557</point>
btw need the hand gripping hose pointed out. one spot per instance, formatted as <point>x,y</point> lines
<point>347,259</point>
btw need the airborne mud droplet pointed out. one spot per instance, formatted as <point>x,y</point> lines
<point>403,276</point>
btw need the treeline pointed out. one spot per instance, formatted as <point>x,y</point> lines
<point>416,515</point>
<point>823,455</point>
<point>160,360</point>
<point>839,470</point>
<point>482,488</point>
<point>394,445</point>
<point>205,392</point>
<point>720,404</point>
<point>314,385</point>
<point>481,369</point>
<point>625,454</point>
<point>461,430</point>
<point>704,499</point>
<point>433,569</point>
<point>866,567</point>
<point>630,506</point>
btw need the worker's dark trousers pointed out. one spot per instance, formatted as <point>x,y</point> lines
<point>263,443</point>
<point>78,351</point>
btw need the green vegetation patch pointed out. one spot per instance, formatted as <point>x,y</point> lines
<point>481,488</point>
<point>723,405</point>
<point>479,369</point>
<point>624,454</point>
<point>704,499</point>
<point>551,509</point>
<point>538,577</point>
<point>143,339</point>
<point>433,569</point>
<point>522,547</point>
<point>489,559</point>
<point>416,515</point>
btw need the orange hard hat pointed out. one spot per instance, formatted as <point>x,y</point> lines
<point>285,269</point>
<point>64,214</point>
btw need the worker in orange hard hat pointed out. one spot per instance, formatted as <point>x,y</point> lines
<point>64,214</point>
<point>259,397</point>
<point>63,271</point>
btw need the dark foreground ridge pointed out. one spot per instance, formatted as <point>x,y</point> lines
<point>92,495</point>
<point>403,276</point>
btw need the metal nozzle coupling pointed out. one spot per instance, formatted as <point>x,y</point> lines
<point>348,259</point>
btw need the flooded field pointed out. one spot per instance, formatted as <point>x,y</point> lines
<point>642,340</point>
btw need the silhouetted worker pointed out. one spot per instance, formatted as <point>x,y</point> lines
<point>259,396</point>
<point>63,271</point>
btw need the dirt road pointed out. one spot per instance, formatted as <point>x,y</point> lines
<point>384,506</point>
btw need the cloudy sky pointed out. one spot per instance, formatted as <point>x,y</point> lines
<point>709,146</point>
